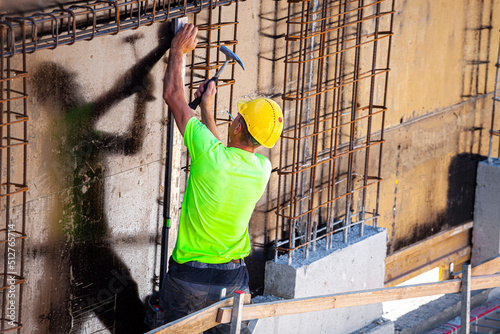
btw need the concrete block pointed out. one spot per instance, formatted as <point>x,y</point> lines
<point>352,266</point>
<point>486,232</point>
<point>356,265</point>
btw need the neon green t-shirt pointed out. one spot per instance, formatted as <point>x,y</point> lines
<point>223,187</point>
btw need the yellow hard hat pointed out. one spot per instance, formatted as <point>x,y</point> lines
<point>264,120</point>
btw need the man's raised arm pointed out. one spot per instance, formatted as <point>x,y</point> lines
<point>173,88</point>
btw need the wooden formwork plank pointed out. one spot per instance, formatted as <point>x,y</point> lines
<point>488,267</point>
<point>443,248</point>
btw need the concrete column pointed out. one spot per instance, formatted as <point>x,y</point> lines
<point>357,265</point>
<point>486,232</point>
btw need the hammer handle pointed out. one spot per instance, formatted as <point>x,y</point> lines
<point>196,102</point>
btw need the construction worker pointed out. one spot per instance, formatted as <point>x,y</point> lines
<point>223,187</point>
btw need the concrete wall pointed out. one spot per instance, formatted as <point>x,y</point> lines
<point>486,233</point>
<point>442,71</point>
<point>93,213</point>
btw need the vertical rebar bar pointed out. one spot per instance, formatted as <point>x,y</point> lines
<point>2,72</point>
<point>496,99</point>
<point>386,83</point>
<point>25,172</point>
<point>370,114</point>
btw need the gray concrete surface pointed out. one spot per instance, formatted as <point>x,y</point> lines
<point>436,312</point>
<point>125,204</point>
<point>486,232</point>
<point>379,326</point>
<point>346,267</point>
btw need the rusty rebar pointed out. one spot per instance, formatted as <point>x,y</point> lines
<point>13,144</point>
<point>99,18</point>
<point>214,32</point>
<point>496,99</point>
<point>335,119</point>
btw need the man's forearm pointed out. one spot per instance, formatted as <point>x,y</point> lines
<point>173,83</point>
<point>207,118</point>
<point>173,90</point>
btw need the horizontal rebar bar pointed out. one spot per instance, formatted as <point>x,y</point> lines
<point>78,23</point>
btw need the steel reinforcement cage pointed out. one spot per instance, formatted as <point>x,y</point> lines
<point>334,99</point>
<point>20,36</point>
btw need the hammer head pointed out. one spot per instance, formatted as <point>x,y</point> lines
<point>231,55</point>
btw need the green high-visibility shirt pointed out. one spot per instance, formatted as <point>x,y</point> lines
<point>223,187</point>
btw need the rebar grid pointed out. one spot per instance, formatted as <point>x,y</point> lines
<point>335,96</point>
<point>495,133</point>
<point>100,18</point>
<point>13,179</point>
<point>217,26</point>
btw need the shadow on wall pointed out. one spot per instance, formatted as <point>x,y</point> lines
<point>459,200</point>
<point>98,281</point>
<point>461,188</point>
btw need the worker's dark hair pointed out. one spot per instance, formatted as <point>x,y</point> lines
<point>246,136</point>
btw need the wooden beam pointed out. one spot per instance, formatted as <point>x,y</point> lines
<point>303,305</point>
<point>199,321</point>
<point>461,256</point>
<point>488,267</point>
<point>443,248</point>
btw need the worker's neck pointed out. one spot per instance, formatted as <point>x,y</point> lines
<point>237,144</point>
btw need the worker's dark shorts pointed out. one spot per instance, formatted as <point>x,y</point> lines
<point>192,286</point>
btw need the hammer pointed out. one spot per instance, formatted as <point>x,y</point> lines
<point>229,56</point>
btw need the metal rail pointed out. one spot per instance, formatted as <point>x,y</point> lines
<point>335,96</point>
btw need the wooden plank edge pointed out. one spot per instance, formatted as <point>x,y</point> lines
<point>487,267</point>
<point>433,239</point>
<point>198,321</point>
<point>248,300</point>
<point>303,305</point>
<point>431,265</point>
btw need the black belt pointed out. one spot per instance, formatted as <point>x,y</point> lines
<point>196,274</point>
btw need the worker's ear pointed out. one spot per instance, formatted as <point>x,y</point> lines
<point>238,128</point>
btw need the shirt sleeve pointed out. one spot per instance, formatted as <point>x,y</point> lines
<point>198,139</point>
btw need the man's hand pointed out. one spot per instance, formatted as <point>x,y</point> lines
<point>207,98</point>
<point>185,40</point>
